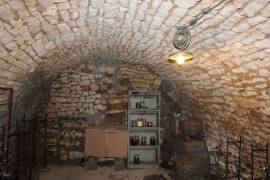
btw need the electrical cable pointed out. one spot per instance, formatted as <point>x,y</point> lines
<point>182,37</point>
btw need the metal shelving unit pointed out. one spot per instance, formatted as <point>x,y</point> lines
<point>148,154</point>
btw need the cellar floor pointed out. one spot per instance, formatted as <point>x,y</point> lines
<point>103,173</point>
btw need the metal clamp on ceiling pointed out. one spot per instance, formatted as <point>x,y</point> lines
<point>182,36</point>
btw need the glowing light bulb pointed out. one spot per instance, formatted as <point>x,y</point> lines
<point>180,60</point>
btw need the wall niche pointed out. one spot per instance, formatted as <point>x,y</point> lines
<point>92,94</point>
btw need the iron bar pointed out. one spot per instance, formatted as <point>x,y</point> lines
<point>226,160</point>
<point>238,144</point>
<point>10,107</point>
<point>18,142</point>
<point>252,161</point>
<point>267,162</point>
<point>260,149</point>
<point>18,147</point>
<point>239,158</point>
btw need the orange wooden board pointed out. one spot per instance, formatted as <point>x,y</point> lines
<point>106,143</point>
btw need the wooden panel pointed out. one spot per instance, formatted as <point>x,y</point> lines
<point>95,143</point>
<point>106,143</point>
<point>117,143</point>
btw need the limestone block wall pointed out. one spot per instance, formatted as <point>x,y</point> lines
<point>94,96</point>
<point>235,108</point>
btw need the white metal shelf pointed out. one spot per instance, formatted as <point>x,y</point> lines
<point>152,101</point>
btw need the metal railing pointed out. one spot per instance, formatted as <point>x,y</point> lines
<point>19,140</point>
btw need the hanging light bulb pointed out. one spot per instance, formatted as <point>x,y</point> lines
<point>180,58</point>
<point>182,37</point>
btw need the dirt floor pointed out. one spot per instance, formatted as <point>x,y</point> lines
<point>103,173</point>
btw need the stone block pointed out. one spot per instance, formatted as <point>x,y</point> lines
<point>266,110</point>
<point>63,6</point>
<point>94,87</point>
<point>263,44</point>
<point>99,107</point>
<point>6,12</point>
<point>50,11</point>
<point>253,7</point>
<point>266,11</point>
<point>264,72</point>
<point>85,82</point>
<point>39,48</point>
<point>76,155</point>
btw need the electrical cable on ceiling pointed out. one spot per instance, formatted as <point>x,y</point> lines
<point>182,37</point>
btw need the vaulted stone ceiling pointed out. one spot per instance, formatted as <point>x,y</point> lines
<point>231,45</point>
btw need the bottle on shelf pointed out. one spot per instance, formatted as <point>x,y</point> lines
<point>144,122</point>
<point>143,104</point>
<point>134,140</point>
<point>149,124</point>
<point>143,141</point>
<point>136,159</point>
<point>137,140</point>
<point>152,140</point>
<point>137,105</point>
<point>133,123</point>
